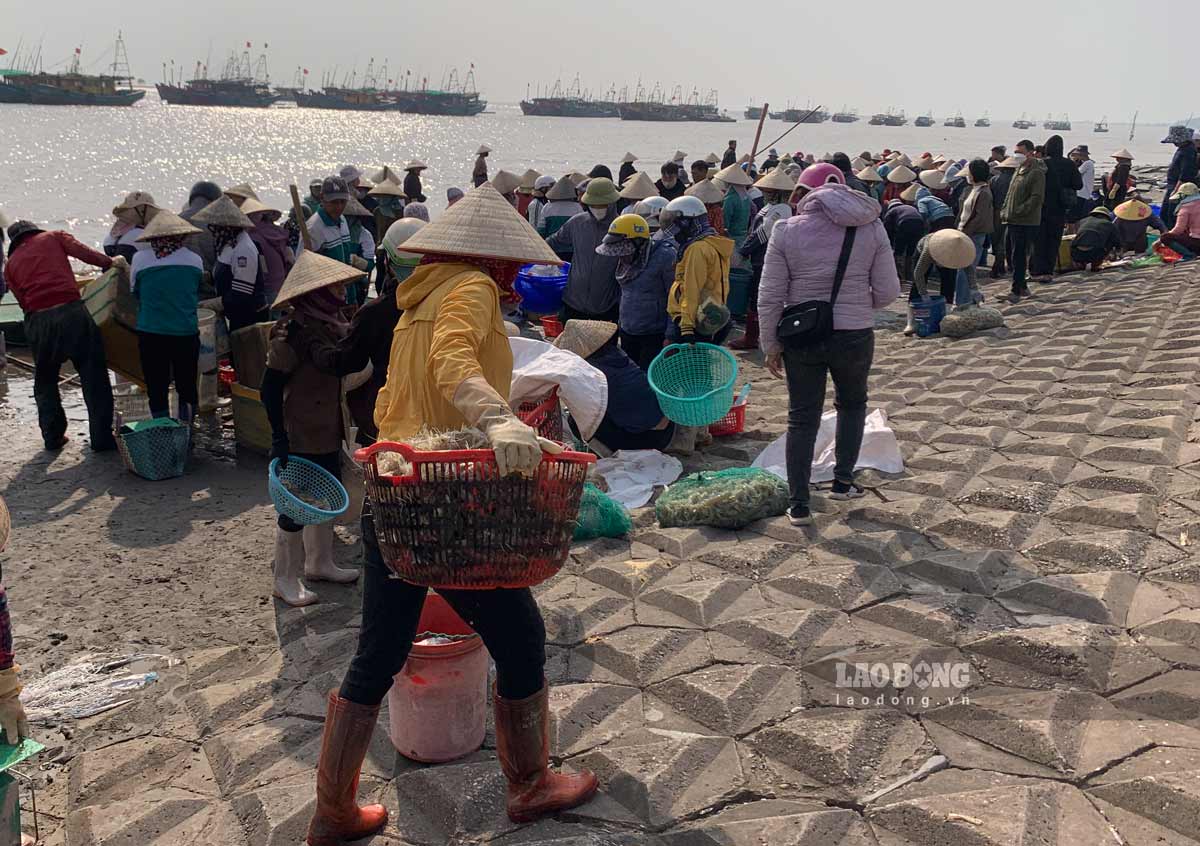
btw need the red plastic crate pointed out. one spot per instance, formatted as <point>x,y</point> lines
<point>733,423</point>
<point>552,325</point>
<point>543,413</point>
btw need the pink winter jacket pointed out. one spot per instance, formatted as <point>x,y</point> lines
<point>1187,219</point>
<point>802,259</point>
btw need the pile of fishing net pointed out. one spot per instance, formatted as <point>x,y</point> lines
<point>960,324</point>
<point>724,499</point>
<point>91,685</point>
<point>601,516</point>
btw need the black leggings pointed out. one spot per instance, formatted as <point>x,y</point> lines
<point>507,620</point>
<point>643,349</point>
<point>167,358</point>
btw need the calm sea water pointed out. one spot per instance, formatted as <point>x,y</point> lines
<point>68,166</point>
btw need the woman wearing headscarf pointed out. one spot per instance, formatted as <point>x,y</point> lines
<point>1062,187</point>
<point>389,204</point>
<point>237,275</point>
<point>412,181</point>
<point>303,404</point>
<point>165,279</point>
<point>132,216</point>
<point>645,272</point>
<point>451,366</point>
<point>272,243</point>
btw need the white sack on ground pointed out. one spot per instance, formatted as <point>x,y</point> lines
<point>539,366</point>
<point>880,450</point>
<point>631,475</point>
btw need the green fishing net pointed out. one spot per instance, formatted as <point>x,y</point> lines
<point>601,516</point>
<point>724,499</point>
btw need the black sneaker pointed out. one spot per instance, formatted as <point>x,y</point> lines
<point>847,490</point>
<point>799,515</point>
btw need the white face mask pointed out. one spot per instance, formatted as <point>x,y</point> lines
<point>598,213</point>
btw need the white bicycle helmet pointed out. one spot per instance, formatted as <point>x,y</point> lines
<point>680,207</point>
<point>650,208</point>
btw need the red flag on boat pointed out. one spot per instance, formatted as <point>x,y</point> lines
<point>3,52</point>
<point>247,45</point>
<point>306,71</point>
<point>76,51</point>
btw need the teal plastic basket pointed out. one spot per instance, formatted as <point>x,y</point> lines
<point>694,383</point>
<point>315,483</point>
<point>155,449</point>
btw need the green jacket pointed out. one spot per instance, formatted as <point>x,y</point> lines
<point>1023,206</point>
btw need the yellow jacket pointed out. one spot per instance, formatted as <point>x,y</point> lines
<point>451,329</point>
<point>703,272</point>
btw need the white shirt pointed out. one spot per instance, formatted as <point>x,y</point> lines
<point>1087,172</point>
<point>129,239</point>
<point>242,258</point>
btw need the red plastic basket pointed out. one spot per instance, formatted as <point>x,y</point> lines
<point>552,325</point>
<point>544,413</point>
<point>733,423</point>
<point>455,523</point>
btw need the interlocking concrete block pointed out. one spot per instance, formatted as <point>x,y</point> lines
<point>753,557</point>
<point>909,678</point>
<point>982,528</point>
<point>449,803</point>
<point>1087,551</point>
<point>1048,469</point>
<point>1163,787</point>
<point>706,602</point>
<point>1160,451</point>
<point>777,823</point>
<point>1028,498</point>
<point>681,543</point>
<point>1181,627</point>
<point>1064,446</point>
<point>1103,598</point>
<point>966,461</point>
<point>575,608</point>
<point>915,514</point>
<point>940,618</point>
<point>584,716</point>
<point>733,700</point>
<point>1172,696</point>
<point>784,635</point>
<point>887,549</point>
<point>845,587</point>
<point>628,576</point>
<point>1121,511</point>
<point>156,818</point>
<point>663,777</point>
<point>981,573</point>
<point>930,483</point>
<point>640,655</point>
<point>126,770</point>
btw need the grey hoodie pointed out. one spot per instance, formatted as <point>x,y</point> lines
<point>592,285</point>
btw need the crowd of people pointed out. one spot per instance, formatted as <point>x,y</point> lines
<point>365,287</point>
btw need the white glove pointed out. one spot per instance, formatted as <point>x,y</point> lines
<point>120,263</point>
<point>359,263</point>
<point>12,712</point>
<point>518,447</point>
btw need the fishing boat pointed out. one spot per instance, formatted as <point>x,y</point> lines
<point>74,87</point>
<point>453,98</point>
<point>984,121</point>
<point>1063,124</point>
<point>957,122</point>
<point>573,102</point>
<point>1101,125</point>
<point>345,99</point>
<point>289,93</point>
<point>889,118</point>
<point>657,107</point>
<point>846,116</point>
<point>1023,122</point>
<point>775,115</point>
<point>238,85</point>
<point>753,112</point>
<point>924,120</point>
<point>806,115</point>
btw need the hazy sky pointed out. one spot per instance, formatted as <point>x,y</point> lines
<point>1104,57</point>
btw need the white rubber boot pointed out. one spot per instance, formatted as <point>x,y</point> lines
<point>318,556</point>
<point>289,564</point>
<point>684,440</point>
<point>909,329</point>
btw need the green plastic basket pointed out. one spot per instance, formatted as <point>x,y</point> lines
<point>694,383</point>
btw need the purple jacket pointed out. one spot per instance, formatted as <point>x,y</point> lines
<point>802,259</point>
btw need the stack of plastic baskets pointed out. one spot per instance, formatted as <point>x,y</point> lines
<point>154,449</point>
<point>694,383</point>
<point>450,520</point>
<point>305,492</point>
<point>543,413</point>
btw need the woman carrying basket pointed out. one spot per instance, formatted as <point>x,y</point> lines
<point>450,367</point>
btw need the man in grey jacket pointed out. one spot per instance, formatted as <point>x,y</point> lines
<point>592,291</point>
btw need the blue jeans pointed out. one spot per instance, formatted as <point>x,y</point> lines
<point>962,285</point>
<point>847,357</point>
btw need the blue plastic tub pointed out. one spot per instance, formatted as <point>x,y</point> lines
<point>541,294</point>
<point>928,314</point>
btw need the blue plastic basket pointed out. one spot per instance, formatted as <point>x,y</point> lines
<point>155,452</point>
<point>694,383</point>
<point>315,482</point>
<point>541,294</point>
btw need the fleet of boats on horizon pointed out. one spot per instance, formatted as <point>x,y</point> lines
<point>247,84</point>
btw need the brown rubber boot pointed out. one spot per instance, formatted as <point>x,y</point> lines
<point>523,746</point>
<point>749,341</point>
<point>348,729</point>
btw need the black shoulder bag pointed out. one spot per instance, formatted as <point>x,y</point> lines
<point>811,322</point>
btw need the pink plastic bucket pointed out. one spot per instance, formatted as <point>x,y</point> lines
<point>437,706</point>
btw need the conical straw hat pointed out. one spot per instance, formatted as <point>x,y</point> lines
<point>385,174</point>
<point>952,249</point>
<point>222,212</point>
<point>253,206</point>
<point>386,188</point>
<point>363,182</point>
<point>483,148</point>
<point>1128,210</point>
<point>578,178</point>
<point>165,225</point>
<point>415,164</point>
<point>858,164</point>
<point>563,189</point>
<point>639,187</point>
<point>733,175</point>
<point>506,182</point>
<point>925,162</point>
<point>776,180</point>
<point>712,159</point>
<point>933,179</point>
<point>706,192</point>
<point>1123,154</point>
<point>5,525</point>
<point>312,271</point>
<point>584,337</point>
<point>903,159</point>
<point>900,175</point>
<point>679,156</point>
<point>356,209</point>
<point>133,200</point>
<point>628,158</point>
<point>243,190</point>
<point>870,173</point>
<point>483,225</point>
<point>909,195</point>
<point>528,178</point>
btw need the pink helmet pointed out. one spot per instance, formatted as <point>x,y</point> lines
<point>823,173</point>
